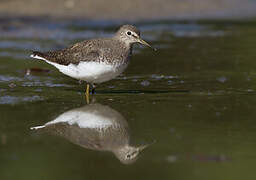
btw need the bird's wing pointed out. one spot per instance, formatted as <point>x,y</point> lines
<point>82,51</point>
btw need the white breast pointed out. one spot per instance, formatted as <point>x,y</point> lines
<point>93,72</point>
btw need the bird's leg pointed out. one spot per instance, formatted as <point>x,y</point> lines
<point>93,88</point>
<point>87,93</point>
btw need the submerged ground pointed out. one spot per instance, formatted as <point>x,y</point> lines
<point>194,98</point>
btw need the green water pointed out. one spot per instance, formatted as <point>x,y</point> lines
<point>194,98</point>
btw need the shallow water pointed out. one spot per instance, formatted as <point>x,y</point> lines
<point>192,102</point>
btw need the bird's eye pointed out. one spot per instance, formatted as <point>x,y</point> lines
<point>129,33</point>
<point>128,156</point>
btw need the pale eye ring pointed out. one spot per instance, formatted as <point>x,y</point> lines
<point>129,33</point>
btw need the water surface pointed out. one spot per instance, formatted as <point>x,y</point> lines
<point>193,101</point>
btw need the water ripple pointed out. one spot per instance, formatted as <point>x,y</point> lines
<point>15,100</point>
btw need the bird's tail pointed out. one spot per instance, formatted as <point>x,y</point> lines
<point>38,55</point>
<point>37,127</point>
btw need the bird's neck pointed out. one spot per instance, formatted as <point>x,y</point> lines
<point>130,53</point>
<point>125,43</point>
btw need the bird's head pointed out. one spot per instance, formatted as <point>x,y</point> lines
<point>129,154</point>
<point>130,35</point>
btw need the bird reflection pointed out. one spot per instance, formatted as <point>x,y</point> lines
<point>96,127</point>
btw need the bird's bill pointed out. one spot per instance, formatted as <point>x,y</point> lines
<point>141,148</point>
<point>141,41</point>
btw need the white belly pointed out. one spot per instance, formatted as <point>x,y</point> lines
<point>91,72</point>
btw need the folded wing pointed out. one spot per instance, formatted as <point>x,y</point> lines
<point>82,51</point>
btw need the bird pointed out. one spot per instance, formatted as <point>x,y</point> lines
<point>95,127</point>
<point>95,60</point>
